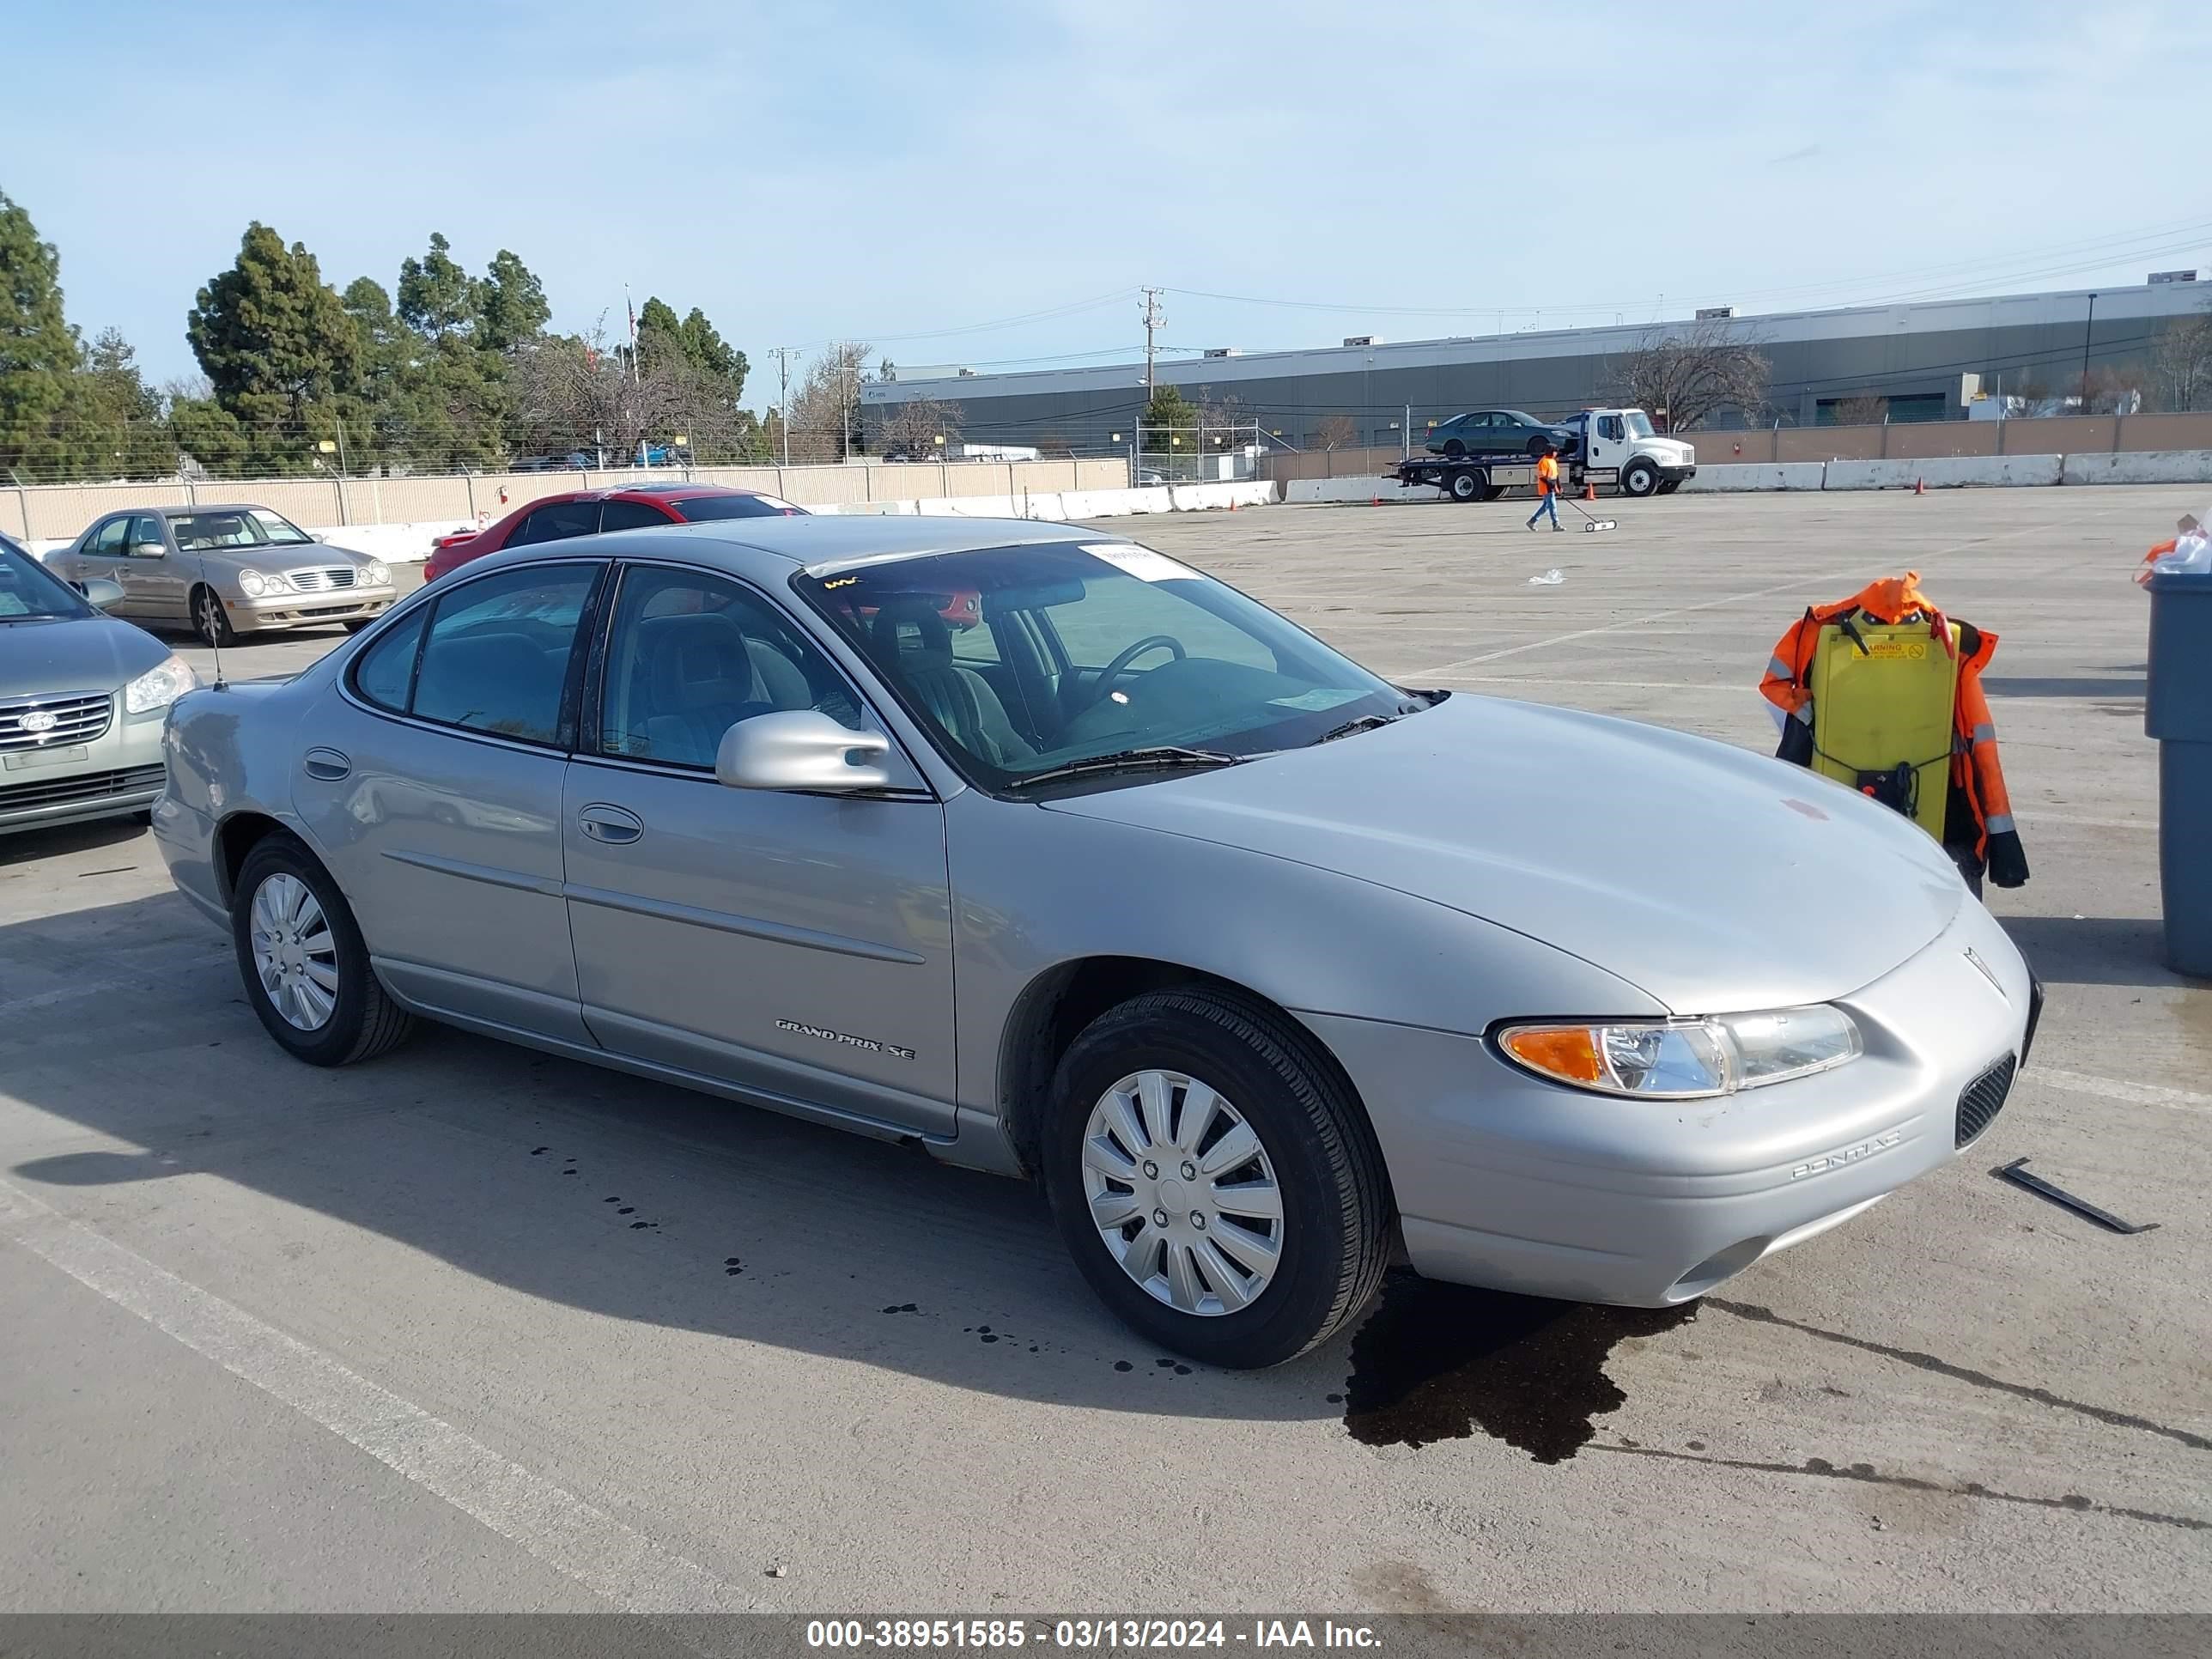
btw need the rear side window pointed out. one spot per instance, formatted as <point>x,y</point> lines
<point>386,671</point>
<point>558,522</point>
<point>630,515</point>
<point>496,655</point>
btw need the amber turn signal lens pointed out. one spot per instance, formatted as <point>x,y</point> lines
<point>1569,1053</point>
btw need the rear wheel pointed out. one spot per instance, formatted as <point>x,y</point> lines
<point>1492,492</point>
<point>1214,1182</point>
<point>1640,478</point>
<point>1464,486</point>
<point>211,621</point>
<point>307,971</point>
<point>1454,449</point>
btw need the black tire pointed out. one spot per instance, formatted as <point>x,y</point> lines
<point>1464,486</point>
<point>365,1021</point>
<point>356,624</point>
<point>1538,445</point>
<point>210,622</point>
<point>1492,492</point>
<point>1335,1229</point>
<point>1639,478</point>
<point>1454,449</point>
<point>1668,486</point>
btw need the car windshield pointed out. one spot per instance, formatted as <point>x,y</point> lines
<point>1639,423</point>
<point>704,509</point>
<point>1025,661</point>
<point>31,593</point>
<point>247,527</point>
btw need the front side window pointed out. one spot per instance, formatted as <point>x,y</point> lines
<point>107,541</point>
<point>1103,647</point>
<point>142,540</point>
<point>1609,427</point>
<point>691,654</point>
<point>29,591</point>
<point>497,653</point>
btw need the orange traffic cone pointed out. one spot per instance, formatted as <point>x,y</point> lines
<point>1377,502</point>
<point>1920,486</point>
<point>1589,490</point>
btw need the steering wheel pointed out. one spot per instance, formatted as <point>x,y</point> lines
<point>1113,670</point>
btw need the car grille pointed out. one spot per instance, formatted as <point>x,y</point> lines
<point>1980,1100</point>
<point>322,580</point>
<point>78,717</point>
<point>84,787</point>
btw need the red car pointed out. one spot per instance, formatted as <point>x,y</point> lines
<point>588,512</point>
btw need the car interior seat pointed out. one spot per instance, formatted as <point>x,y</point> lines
<point>913,645</point>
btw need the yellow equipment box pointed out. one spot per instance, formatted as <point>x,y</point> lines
<point>1882,707</point>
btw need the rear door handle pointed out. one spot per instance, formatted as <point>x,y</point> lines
<point>610,824</point>
<point>326,765</point>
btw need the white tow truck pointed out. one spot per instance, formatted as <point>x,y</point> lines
<point>1616,447</point>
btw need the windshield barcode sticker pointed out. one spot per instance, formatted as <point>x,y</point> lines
<point>1141,562</point>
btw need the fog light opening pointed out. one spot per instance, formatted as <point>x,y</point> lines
<point>1724,1264</point>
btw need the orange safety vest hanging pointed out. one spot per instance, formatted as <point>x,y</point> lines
<point>1980,829</point>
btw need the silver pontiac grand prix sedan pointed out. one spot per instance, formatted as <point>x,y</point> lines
<point>1262,963</point>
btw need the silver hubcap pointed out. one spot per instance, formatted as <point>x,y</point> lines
<point>293,954</point>
<point>1182,1193</point>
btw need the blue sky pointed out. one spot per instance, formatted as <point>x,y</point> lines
<point>805,171</point>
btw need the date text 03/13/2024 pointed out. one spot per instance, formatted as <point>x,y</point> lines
<point>1080,1635</point>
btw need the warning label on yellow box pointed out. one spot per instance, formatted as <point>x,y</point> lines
<point>1908,650</point>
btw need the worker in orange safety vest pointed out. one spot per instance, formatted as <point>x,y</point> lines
<point>1979,831</point>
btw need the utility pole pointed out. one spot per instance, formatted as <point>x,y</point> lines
<point>2086,327</point>
<point>783,397</point>
<point>1153,319</point>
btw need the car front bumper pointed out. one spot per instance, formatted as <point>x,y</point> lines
<point>118,772</point>
<point>1677,474</point>
<point>1504,1181</point>
<point>274,611</point>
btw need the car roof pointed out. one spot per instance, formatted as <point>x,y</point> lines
<point>198,508</point>
<point>820,544</point>
<point>677,492</point>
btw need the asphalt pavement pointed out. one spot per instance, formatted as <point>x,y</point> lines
<point>473,1329</point>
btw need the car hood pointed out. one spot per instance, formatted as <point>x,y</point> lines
<point>76,654</point>
<point>1714,879</point>
<point>271,561</point>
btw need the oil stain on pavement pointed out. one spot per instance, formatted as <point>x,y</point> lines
<point>1438,1361</point>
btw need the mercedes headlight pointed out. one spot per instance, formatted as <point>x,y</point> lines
<point>253,584</point>
<point>1684,1059</point>
<point>157,688</point>
<point>378,573</point>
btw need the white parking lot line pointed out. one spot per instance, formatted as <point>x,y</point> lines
<point>2139,1094</point>
<point>603,1554</point>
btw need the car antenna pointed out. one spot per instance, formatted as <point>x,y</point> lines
<point>215,635</point>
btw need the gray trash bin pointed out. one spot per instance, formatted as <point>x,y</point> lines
<point>2178,712</point>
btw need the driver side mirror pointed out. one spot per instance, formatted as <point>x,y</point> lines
<point>801,748</point>
<point>100,592</point>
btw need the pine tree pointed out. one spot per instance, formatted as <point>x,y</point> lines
<point>278,348</point>
<point>39,352</point>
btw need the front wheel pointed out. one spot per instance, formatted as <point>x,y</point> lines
<point>1670,486</point>
<point>211,621</point>
<point>1214,1180</point>
<point>307,971</point>
<point>1640,479</point>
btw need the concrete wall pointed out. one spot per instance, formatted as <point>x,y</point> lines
<point>60,512</point>
<point>1785,475</point>
<point>2173,466</point>
<point>1944,472</point>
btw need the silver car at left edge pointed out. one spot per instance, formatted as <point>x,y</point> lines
<point>83,697</point>
<point>1265,965</point>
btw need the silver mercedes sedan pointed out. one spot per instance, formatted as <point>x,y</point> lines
<point>224,571</point>
<point>1263,965</point>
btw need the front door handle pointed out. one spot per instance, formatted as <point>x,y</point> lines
<point>610,824</point>
<point>326,765</point>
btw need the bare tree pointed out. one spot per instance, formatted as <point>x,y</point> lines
<point>1336,432</point>
<point>825,408</point>
<point>1862,409</point>
<point>917,430</point>
<point>2181,364</point>
<point>2110,391</point>
<point>1687,373</point>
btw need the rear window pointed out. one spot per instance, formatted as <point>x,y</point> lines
<point>705,509</point>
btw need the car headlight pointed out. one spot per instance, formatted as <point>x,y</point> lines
<point>1684,1059</point>
<point>378,573</point>
<point>157,688</point>
<point>253,584</point>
